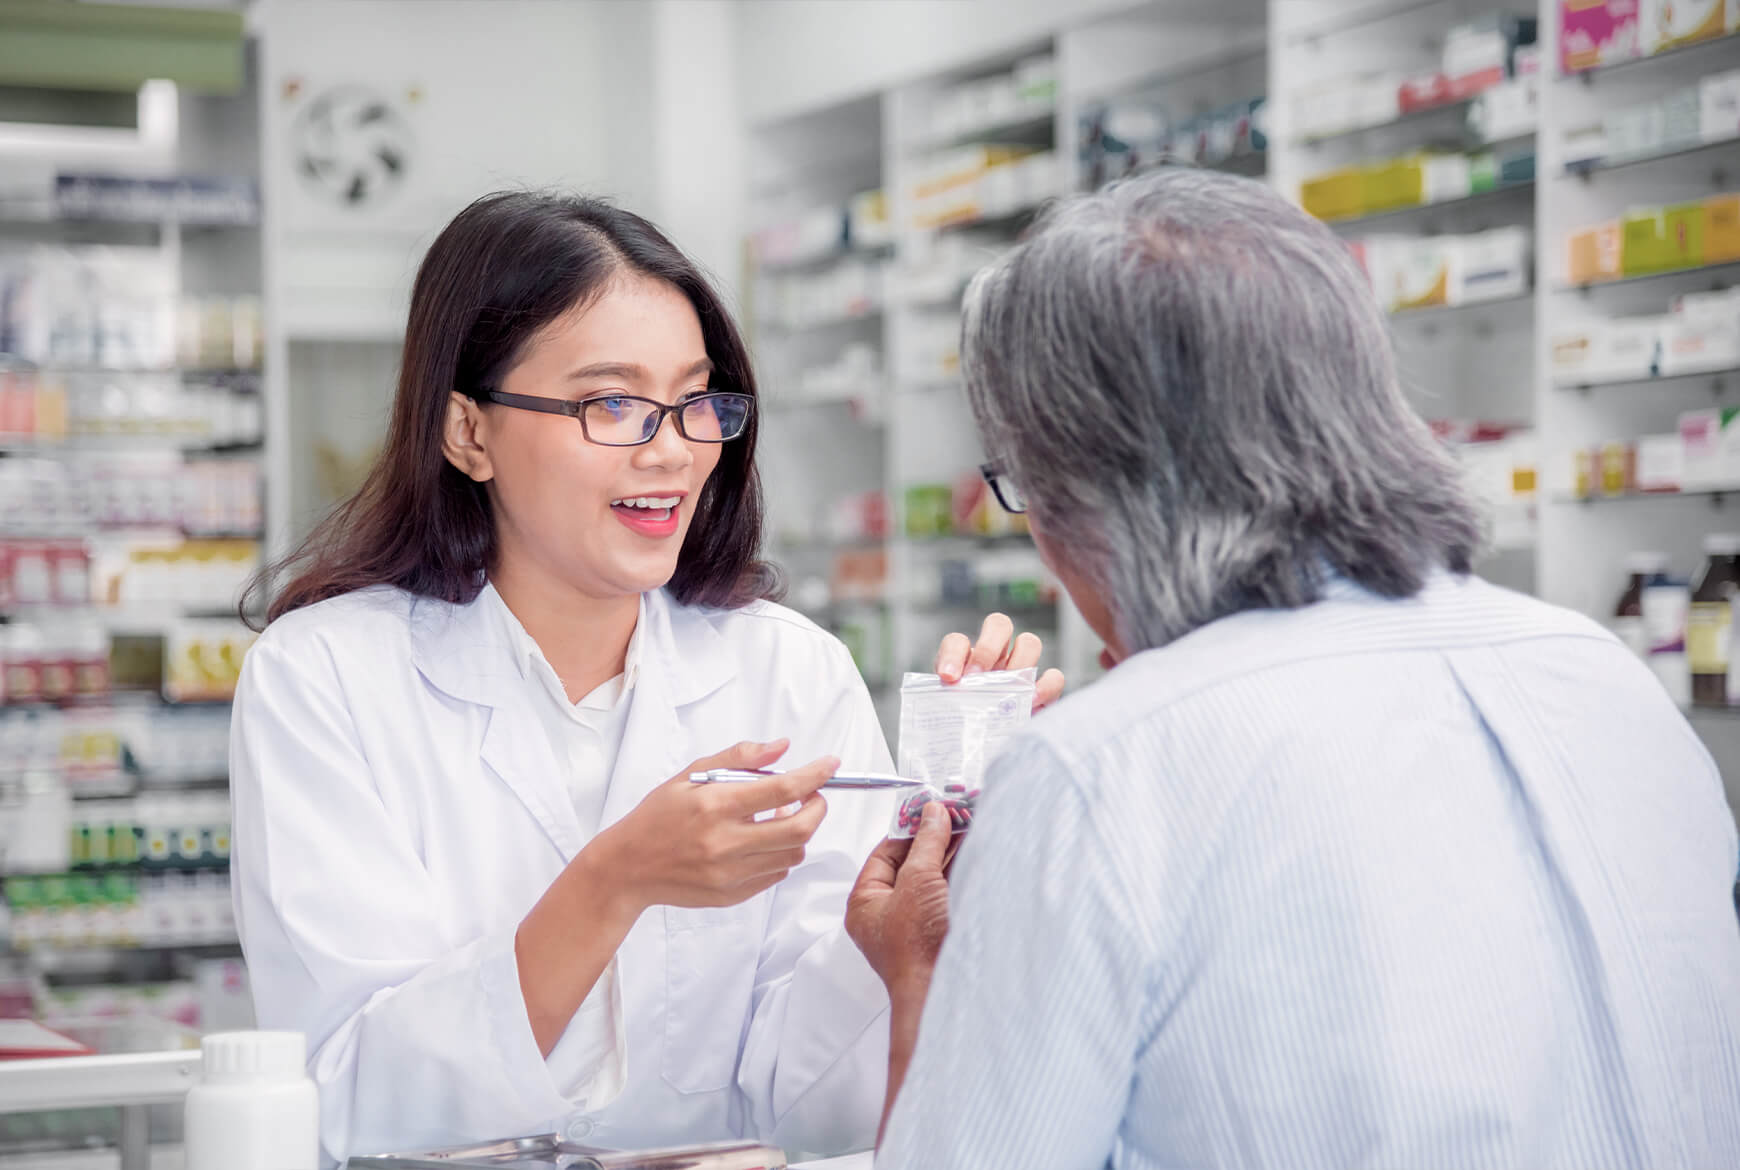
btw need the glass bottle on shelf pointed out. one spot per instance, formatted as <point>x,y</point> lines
<point>1708,622</point>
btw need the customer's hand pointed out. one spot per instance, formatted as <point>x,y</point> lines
<point>690,844</point>
<point>998,649</point>
<point>898,912</point>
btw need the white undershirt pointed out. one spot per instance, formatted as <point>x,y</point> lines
<point>590,1060</point>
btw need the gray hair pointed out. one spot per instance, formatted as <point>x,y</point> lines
<point>1192,383</point>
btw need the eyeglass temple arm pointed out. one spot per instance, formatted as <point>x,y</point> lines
<point>529,402</point>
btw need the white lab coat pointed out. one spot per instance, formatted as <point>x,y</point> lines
<point>398,810</point>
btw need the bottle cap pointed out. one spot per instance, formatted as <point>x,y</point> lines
<point>233,1058</point>
<point>1646,563</point>
<point>1722,544</point>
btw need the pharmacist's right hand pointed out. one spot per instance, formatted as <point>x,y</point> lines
<point>690,844</point>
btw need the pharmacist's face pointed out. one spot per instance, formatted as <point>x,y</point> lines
<point>604,520</point>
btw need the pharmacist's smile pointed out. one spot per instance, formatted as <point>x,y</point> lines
<point>655,514</point>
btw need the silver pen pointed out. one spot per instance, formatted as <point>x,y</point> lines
<point>859,781</point>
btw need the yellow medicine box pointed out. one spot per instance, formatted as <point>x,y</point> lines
<point>1643,243</point>
<point>1683,238</point>
<point>1722,229</point>
<point>1334,194</point>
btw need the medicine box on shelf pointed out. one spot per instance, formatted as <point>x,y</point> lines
<point>1670,24</point>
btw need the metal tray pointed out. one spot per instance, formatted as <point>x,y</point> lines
<point>550,1152</point>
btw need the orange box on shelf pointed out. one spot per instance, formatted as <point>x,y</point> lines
<point>1593,254</point>
<point>1722,229</point>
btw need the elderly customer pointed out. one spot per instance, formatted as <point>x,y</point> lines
<point>1353,859</point>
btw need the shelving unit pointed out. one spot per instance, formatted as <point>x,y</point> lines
<point>1690,277</point>
<point>1169,66</point>
<point>1442,207</point>
<point>1584,542</point>
<point>154,465</point>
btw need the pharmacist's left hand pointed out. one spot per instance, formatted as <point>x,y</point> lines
<point>998,648</point>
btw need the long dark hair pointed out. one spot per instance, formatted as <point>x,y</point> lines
<point>506,267</point>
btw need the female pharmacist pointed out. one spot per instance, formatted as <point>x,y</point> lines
<point>469,864</point>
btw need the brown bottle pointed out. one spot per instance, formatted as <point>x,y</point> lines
<point>1628,614</point>
<point>1707,625</point>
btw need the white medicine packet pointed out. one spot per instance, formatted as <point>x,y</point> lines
<point>949,732</point>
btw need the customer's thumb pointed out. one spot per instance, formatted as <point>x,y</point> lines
<point>931,843</point>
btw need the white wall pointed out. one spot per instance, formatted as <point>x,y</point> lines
<point>498,93</point>
<point>698,134</point>
<point>798,55</point>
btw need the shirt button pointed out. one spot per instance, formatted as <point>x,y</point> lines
<point>579,1130</point>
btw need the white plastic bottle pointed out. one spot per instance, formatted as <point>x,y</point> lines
<point>254,1107</point>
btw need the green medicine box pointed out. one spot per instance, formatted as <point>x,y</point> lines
<point>1687,225</point>
<point>1642,242</point>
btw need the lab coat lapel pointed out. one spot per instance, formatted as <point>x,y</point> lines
<point>517,749</point>
<point>463,651</point>
<point>684,659</point>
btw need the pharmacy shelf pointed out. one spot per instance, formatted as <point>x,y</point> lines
<point>127,869</point>
<point>118,444</point>
<point>823,324</point>
<point>124,531</point>
<point>1590,168</point>
<point>137,612</point>
<point>1022,613</point>
<point>104,959</point>
<point>1360,18</point>
<point>1503,193</point>
<point>1725,267</point>
<point>1716,50</point>
<point>1409,118</point>
<point>1442,312</point>
<point>244,379</point>
<point>1033,128</point>
<point>822,261</point>
<point>1697,711</point>
<point>1713,495</point>
<point>963,542</point>
<point>121,787</point>
<point>1005,221</point>
<point>938,384</point>
<point>23,216</point>
<point>1250,166</point>
<point>1719,377</point>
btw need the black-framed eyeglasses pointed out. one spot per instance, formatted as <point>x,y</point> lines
<point>1004,489</point>
<point>627,420</point>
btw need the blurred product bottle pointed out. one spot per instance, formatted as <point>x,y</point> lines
<point>255,1107</point>
<point>1628,614</point>
<point>1707,627</point>
<point>1666,605</point>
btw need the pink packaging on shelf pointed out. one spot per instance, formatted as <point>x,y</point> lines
<point>1596,32</point>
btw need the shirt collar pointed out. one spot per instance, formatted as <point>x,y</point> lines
<point>532,661</point>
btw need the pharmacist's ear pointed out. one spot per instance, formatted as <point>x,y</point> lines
<point>462,438</point>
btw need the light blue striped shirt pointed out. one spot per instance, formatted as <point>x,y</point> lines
<point>1436,883</point>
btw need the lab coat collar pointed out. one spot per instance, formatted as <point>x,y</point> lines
<point>467,652</point>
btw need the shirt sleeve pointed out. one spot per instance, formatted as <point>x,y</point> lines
<point>815,1062</point>
<point>416,1040</point>
<point>1028,1042</point>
